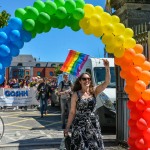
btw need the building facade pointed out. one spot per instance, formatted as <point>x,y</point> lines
<point>26,65</point>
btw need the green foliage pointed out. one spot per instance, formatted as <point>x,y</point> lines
<point>4,17</point>
<point>57,70</point>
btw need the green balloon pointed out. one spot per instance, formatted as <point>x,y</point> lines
<point>75,26</point>
<point>59,2</point>
<point>70,21</point>
<point>39,5</point>
<point>47,27</point>
<point>20,13</point>
<point>39,27</point>
<point>27,7</point>
<point>50,7</point>
<point>61,13</point>
<point>78,13</point>
<point>43,17</point>
<point>70,5</point>
<point>33,33</point>
<point>80,3</point>
<point>29,24</point>
<point>55,21</point>
<point>32,13</point>
<point>62,24</point>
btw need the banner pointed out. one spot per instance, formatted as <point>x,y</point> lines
<point>18,97</point>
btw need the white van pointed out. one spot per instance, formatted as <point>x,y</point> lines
<point>106,101</point>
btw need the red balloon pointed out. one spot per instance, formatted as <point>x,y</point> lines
<point>131,141</point>
<point>146,114</point>
<point>140,104</point>
<point>134,114</point>
<point>146,134</point>
<point>130,104</point>
<point>131,122</point>
<point>141,124</point>
<point>134,132</point>
<point>140,143</point>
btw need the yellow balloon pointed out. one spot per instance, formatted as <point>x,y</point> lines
<point>109,49</point>
<point>88,30</point>
<point>95,20</point>
<point>119,40</point>
<point>119,28</point>
<point>129,43</point>
<point>105,18</point>
<point>115,19</point>
<point>89,9</point>
<point>98,31</point>
<point>108,38</point>
<point>84,23</point>
<point>108,28</point>
<point>119,51</point>
<point>98,10</point>
<point>128,33</point>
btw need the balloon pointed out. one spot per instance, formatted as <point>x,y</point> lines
<point>39,5</point>
<point>59,3</point>
<point>146,65</point>
<point>140,143</point>
<point>4,50</point>
<point>128,33</point>
<point>134,115</point>
<point>140,104</point>
<point>14,35</point>
<point>43,18</point>
<point>19,44</point>
<point>108,38</point>
<point>99,10</point>
<point>119,51</point>
<point>127,87</point>
<point>78,13</point>
<point>89,10</point>
<point>50,7</point>
<point>39,27</point>
<point>47,27</point>
<point>129,43</point>
<point>140,86</point>
<point>138,59</point>
<point>20,12</point>
<point>26,36</point>
<point>115,19</point>
<point>6,61</point>
<point>1,79</point>
<point>98,31</point>
<point>145,76</point>
<point>138,48</point>
<point>109,49</point>
<point>84,23</point>
<point>32,13</point>
<point>134,95</point>
<point>14,51</point>
<point>61,13</point>
<point>119,40</point>
<point>15,23</point>
<point>29,24</point>
<point>146,134</point>
<point>141,124</point>
<point>119,29</point>
<point>75,26</point>
<point>62,24</point>
<point>146,114</point>
<point>70,5</point>
<point>130,104</point>
<point>131,142</point>
<point>105,18</point>
<point>3,37</point>
<point>108,28</point>
<point>129,53</point>
<point>80,3</point>
<point>136,71</point>
<point>131,122</point>
<point>55,21</point>
<point>95,20</point>
<point>134,132</point>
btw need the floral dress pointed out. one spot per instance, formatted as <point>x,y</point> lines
<point>86,132</point>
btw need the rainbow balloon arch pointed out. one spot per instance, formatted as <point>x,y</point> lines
<point>42,16</point>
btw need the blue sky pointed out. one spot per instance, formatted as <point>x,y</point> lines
<point>54,45</point>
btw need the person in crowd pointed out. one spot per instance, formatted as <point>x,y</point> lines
<point>33,82</point>
<point>65,91</point>
<point>44,92</point>
<point>15,84</point>
<point>86,132</point>
<point>4,84</point>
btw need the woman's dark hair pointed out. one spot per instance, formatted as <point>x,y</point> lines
<point>77,85</point>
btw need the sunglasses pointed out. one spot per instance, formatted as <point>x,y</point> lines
<point>84,79</point>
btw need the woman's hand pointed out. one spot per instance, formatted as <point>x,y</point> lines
<point>66,132</point>
<point>106,63</point>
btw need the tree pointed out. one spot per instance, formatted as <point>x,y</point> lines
<point>57,70</point>
<point>4,17</point>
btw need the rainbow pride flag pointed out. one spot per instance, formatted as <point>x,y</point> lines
<point>74,62</point>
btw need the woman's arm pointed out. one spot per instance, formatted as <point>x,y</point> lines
<point>71,113</point>
<point>102,86</point>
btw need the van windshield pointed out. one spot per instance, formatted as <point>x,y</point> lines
<point>99,73</point>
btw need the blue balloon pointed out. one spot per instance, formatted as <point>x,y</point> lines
<point>4,50</point>
<point>14,50</point>
<point>1,79</point>
<point>2,70</point>
<point>14,35</point>
<point>3,37</point>
<point>7,30</point>
<point>15,23</point>
<point>6,61</point>
<point>26,36</point>
<point>19,44</point>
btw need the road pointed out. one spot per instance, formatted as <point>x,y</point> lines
<point>26,130</point>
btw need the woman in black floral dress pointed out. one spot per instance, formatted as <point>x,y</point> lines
<point>86,133</point>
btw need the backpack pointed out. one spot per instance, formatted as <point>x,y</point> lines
<point>62,83</point>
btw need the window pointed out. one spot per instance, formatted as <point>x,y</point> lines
<point>53,65</point>
<point>19,64</point>
<point>38,65</point>
<point>60,65</point>
<point>88,70</point>
<point>51,73</point>
<point>38,73</point>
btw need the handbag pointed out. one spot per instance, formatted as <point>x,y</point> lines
<point>67,142</point>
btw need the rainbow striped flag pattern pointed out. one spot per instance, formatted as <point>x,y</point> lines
<point>74,62</point>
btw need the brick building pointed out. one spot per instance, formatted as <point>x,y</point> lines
<point>27,65</point>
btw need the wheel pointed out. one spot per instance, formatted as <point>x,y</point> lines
<point>1,128</point>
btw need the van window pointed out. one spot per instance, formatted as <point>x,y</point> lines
<point>99,74</point>
<point>88,70</point>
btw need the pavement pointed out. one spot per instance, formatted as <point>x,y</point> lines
<point>26,130</point>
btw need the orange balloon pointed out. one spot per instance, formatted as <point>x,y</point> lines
<point>134,95</point>
<point>136,71</point>
<point>146,95</point>
<point>129,53</point>
<point>128,88</point>
<point>146,65</point>
<point>139,59</point>
<point>138,48</point>
<point>145,76</point>
<point>140,86</point>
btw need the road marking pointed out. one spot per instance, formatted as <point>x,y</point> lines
<point>53,123</point>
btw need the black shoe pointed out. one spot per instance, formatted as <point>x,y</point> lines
<point>63,126</point>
